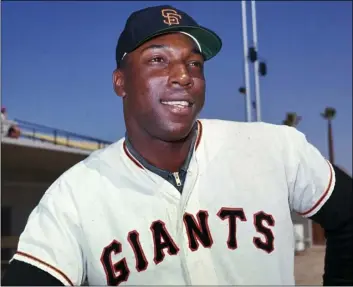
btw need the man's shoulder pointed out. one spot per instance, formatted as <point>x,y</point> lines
<point>227,128</point>
<point>223,133</point>
<point>93,167</point>
<point>108,155</point>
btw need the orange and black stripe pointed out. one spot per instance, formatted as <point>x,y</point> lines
<point>322,196</point>
<point>62,274</point>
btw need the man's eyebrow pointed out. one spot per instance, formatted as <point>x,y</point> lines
<point>155,46</point>
<point>160,46</point>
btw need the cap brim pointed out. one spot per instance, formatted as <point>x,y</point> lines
<point>209,41</point>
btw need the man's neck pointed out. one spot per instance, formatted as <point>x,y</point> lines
<point>169,156</point>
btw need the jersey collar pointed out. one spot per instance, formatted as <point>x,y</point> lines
<point>138,160</point>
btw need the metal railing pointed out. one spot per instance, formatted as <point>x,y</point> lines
<point>37,132</point>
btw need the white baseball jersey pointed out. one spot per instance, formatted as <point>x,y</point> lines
<point>110,221</point>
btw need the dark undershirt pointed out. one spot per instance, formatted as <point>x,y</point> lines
<point>336,217</point>
<point>167,175</point>
<point>23,274</point>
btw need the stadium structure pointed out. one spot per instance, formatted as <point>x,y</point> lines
<point>30,162</point>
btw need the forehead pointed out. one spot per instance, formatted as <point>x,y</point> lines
<point>172,40</point>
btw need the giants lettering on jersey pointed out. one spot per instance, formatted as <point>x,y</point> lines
<point>198,232</point>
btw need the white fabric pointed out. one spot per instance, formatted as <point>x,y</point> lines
<point>249,167</point>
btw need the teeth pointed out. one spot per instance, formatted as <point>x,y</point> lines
<point>176,103</point>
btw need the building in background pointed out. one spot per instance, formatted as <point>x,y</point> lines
<point>29,165</point>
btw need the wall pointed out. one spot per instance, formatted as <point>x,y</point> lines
<point>297,219</point>
<point>26,173</point>
<point>22,198</point>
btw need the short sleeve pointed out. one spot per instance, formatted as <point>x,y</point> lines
<point>310,175</point>
<point>50,240</point>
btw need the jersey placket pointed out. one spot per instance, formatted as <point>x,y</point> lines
<point>190,182</point>
<point>174,204</point>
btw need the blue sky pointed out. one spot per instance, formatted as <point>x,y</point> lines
<point>58,58</point>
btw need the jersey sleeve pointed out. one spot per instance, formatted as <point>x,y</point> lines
<point>310,175</point>
<point>50,240</point>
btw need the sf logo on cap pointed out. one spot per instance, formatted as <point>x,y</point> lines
<point>171,17</point>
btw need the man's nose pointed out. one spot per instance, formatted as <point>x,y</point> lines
<point>179,75</point>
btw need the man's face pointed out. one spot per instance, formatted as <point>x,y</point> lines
<point>163,86</point>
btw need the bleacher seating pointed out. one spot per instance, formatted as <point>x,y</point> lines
<point>43,133</point>
<point>62,141</point>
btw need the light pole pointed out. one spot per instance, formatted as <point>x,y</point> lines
<point>246,64</point>
<point>257,80</point>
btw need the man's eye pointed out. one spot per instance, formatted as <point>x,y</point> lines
<point>196,64</point>
<point>157,60</point>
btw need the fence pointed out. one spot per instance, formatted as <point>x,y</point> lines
<point>37,132</point>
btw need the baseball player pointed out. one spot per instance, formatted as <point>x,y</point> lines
<point>182,201</point>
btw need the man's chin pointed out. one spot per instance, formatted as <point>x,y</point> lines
<point>177,131</point>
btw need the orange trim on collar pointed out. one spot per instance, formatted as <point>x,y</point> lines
<point>135,161</point>
<point>199,134</point>
<point>129,155</point>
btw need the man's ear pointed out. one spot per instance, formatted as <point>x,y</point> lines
<point>118,83</point>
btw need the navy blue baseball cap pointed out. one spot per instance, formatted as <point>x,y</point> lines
<point>145,24</point>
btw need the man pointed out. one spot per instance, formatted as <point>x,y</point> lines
<point>179,200</point>
<point>3,114</point>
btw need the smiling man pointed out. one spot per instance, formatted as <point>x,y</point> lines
<point>182,201</point>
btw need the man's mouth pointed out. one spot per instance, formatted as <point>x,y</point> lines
<point>177,104</point>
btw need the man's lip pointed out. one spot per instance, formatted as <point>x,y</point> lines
<point>179,110</point>
<point>190,104</point>
<point>190,101</point>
